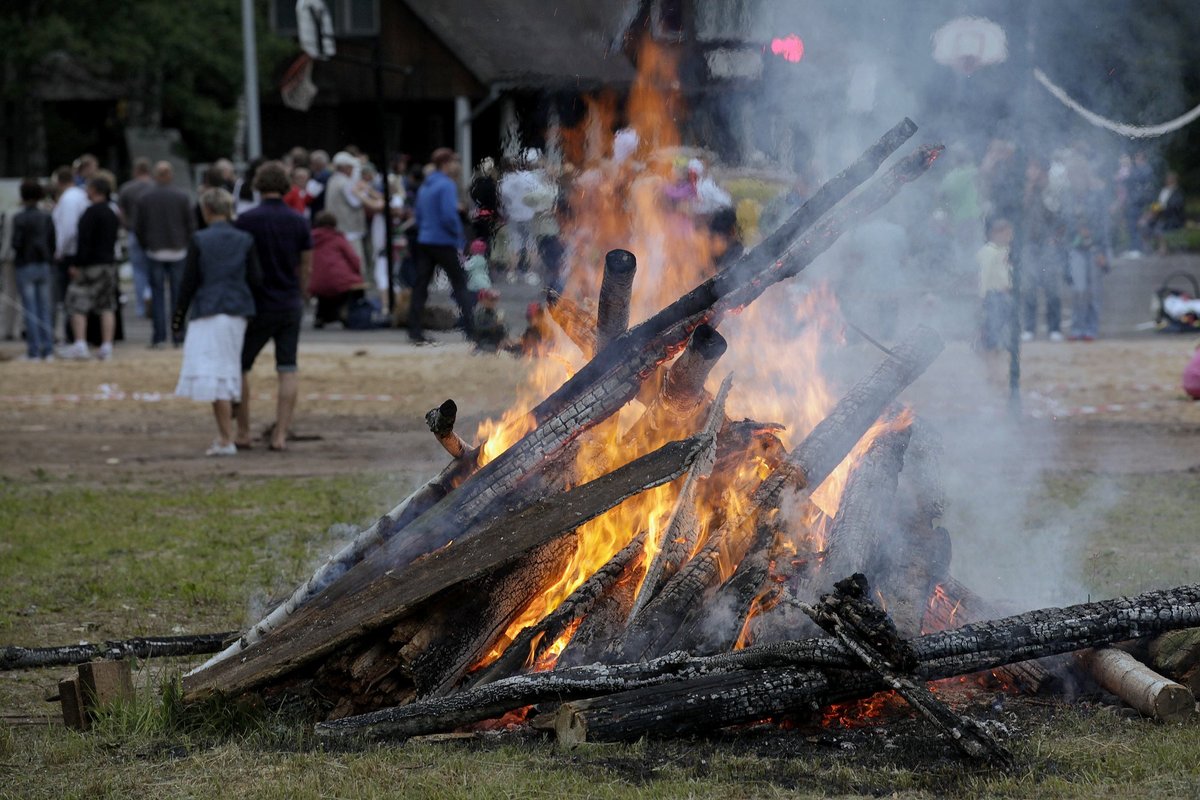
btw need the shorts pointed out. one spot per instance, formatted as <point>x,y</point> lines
<point>281,326</point>
<point>93,289</point>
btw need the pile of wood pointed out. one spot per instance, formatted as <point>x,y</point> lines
<point>403,631</point>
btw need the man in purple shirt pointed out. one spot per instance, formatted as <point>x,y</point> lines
<point>284,244</point>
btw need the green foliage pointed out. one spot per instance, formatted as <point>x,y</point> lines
<point>192,50</point>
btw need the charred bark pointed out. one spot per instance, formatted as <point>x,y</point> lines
<point>612,310</point>
<point>578,324</point>
<point>441,424</point>
<point>824,671</point>
<point>13,657</point>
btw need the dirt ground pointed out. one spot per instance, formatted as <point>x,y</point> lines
<point>1110,406</point>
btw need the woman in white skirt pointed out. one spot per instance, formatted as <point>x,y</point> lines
<point>222,265</point>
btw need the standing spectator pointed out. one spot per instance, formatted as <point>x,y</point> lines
<point>318,165</point>
<point>995,289</point>
<point>93,273</point>
<point>212,179</point>
<point>128,196</point>
<point>1086,232</point>
<point>33,250</point>
<point>298,198</point>
<point>71,203</point>
<point>1041,254</point>
<point>222,266</point>
<point>164,224</point>
<point>525,193</point>
<point>85,168</point>
<point>485,202</point>
<point>225,169</point>
<point>344,199</point>
<point>439,241</point>
<point>1140,194</point>
<point>1166,213</point>
<point>284,246</point>
<point>245,196</point>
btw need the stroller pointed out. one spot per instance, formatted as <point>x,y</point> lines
<point>1177,310</point>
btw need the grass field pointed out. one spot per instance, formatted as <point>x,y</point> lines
<point>102,561</point>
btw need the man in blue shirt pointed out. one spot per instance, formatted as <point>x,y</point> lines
<point>284,245</point>
<point>439,242</point>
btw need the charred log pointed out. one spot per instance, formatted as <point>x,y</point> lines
<point>578,324</point>
<point>13,657</point>
<point>441,424</point>
<point>612,310</point>
<point>968,649</point>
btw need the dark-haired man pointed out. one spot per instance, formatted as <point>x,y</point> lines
<point>93,273</point>
<point>284,244</point>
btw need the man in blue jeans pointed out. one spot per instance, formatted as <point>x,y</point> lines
<point>164,224</point>
<point>439,242</point>
<point>284,244</point>
<point>33,250</point>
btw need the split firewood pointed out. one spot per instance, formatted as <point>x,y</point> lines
<point>972,648</point>
<point>326,625</point>
<point>14,657</point>
<point>677,540</point>
<point>1139,686</point>
<point>577,323</point>
<point>864,628</point>
<point>794,480</point>
<point>532,643</point>
<point>616,288</point>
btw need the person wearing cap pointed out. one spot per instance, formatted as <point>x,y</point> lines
<point>479,275</point>
<point>344,201</point>
<point>439,242</point>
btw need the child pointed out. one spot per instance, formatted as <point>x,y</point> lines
<point>995,285</point>
<point>478,271</point>
<point>490,330</point>
<point>222,265</point>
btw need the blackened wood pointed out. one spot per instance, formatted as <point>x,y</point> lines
<point>441,424</point>
<point>699,705</point>
<point>849,614</point>
<point>492,606</point>
<point>805,468</point>
<point>714,627</point>
<point>1175,653</point>
<point>593,639</point>
<point>13,657</point>
<point>681,391</point>
<point>325,625</point>
<point>531,643</point>
<point>916,561</point>
<point>968,649</point>
<point>616,288</point>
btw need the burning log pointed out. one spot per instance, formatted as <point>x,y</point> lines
<point>968,649</point>
<point>533,642</point>
<point>804,469</point>
<point>698,705</point>
<point>1139,686</point>
<point>13,657</point>
<point>324,626</point>
<point>612,310</point>
<point>578,324</point>
<point>865,630</point>
<point>595,634</point>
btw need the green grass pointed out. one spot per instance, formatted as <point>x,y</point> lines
<point>192,555</point>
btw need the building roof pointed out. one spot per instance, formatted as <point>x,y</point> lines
<point>532,43</point>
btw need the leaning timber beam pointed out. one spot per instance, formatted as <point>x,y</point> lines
<point>616,288</point>
<point>812,461</point>
<point>326,624</point>
<point>968,649</point>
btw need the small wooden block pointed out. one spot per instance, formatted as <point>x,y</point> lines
<point>70,696</point>
<point>105,682</point>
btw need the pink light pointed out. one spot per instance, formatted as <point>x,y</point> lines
<point>791,47</point>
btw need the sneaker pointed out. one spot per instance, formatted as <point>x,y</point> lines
<point>75,352</point>
<point>1027,336</point>
<point>48,358</point>
<point>218,449</point>
<point>105,352</point>
<point>1055,336</point>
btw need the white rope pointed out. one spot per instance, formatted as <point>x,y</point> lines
<point>1132,131</point>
